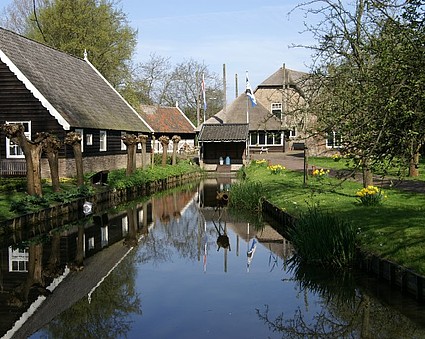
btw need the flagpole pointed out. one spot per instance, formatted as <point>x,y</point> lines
<point>247,117</point>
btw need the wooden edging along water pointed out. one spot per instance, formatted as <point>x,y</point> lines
<point>397,276</point>
<point>62,214</point>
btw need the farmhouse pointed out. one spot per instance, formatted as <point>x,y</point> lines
<point>275,123</point>
<point>46,90</point>
<point>169,121</point>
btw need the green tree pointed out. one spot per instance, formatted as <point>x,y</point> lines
<point>96,26</point>
<point>363,82</point>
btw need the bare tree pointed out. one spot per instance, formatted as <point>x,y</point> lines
<point>176,139</point>
<point>32,151</point>
<point>164,140</point>
<point>51,146</point>
<point>74,139</point>
<point>131,141</point>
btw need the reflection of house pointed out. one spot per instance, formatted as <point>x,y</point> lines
<point>169,121</point>
<point>274,123</point>
<point>46,90</point>
<point>101,244</point>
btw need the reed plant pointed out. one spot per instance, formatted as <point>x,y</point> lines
<point>247,195</point>
<point>321,237</point>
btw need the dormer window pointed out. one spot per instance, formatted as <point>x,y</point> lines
<point>277,109</point>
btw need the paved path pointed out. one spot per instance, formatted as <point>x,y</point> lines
<point>294,160</point>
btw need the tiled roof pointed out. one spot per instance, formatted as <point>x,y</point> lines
<point>166,119</point>
<point>259,117</point>
<point>71,89</point>
<point>224,132</point>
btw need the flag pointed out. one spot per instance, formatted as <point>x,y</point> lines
<point>249,92</point>
<point>204,98</point>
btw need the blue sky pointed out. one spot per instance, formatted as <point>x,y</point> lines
<point>247,35</point>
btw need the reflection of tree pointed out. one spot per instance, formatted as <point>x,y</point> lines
<point>131,238</point>
<point>346,313</point>
<point>109,312</point>
<point>34,284</point>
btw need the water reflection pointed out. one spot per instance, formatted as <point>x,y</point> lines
<point>180,265</point>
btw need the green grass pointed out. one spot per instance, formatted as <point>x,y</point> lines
<point>394,230</point>
<point>348,164</point>
<point>13,194</point>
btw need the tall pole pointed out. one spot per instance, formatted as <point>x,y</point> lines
<point>247,115</point>
<point>198,108</point>
<point>224,89</point>
<point>236,86</point>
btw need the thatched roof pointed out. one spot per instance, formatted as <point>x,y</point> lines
<point>236,112</point>
<point>293,78</point>
<point>70,88</point>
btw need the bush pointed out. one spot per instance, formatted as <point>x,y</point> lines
<point>323,238</point>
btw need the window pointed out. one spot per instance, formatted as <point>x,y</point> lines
<point>124,226</point>
<point>89,139</point>
<point>18,259</point>
<point>263,138</point>
<point>102,139</point>
<point>104,236</point>
<point>13,150</point>
<point>277,109</point>
<point>81,132</point>
<point>333,140</point>
<point>123,146</point>
<point>253,139</point>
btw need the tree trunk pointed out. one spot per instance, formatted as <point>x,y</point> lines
<point>176,139</point>
<point>74,139</point>
<point>143,140</point>
<point>131,159</point>
<point>53,159</point>
<point>78,155</point>
<point>35,269</point>
<point>414,165</point>
<point>34,186</point>
<point>32,151</point>
<point>164,143</point>
<point>367,174</point>
<point>131,141</point>
<point>131,239</point>
<point>51,146</point>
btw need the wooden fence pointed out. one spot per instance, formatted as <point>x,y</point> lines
<point>12,168</point>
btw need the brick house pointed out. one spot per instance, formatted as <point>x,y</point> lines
<point>275,122</point>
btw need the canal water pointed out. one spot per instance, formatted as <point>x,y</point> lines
<point>178,266</point>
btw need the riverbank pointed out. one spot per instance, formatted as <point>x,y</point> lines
<point>390,235</point>
<point>60,214</point>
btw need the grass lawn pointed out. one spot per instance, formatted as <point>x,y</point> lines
<point>394,230</point>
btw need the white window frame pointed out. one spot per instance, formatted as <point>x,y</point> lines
<point>336,140</point>
<point>265,135</point>
<point>89,139</point>
<point>276,106</point>
<point>81,132</point>
<point>20,257</point>
<point>103,141</point>
<point>123,146</point>
<point>19,153</point>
